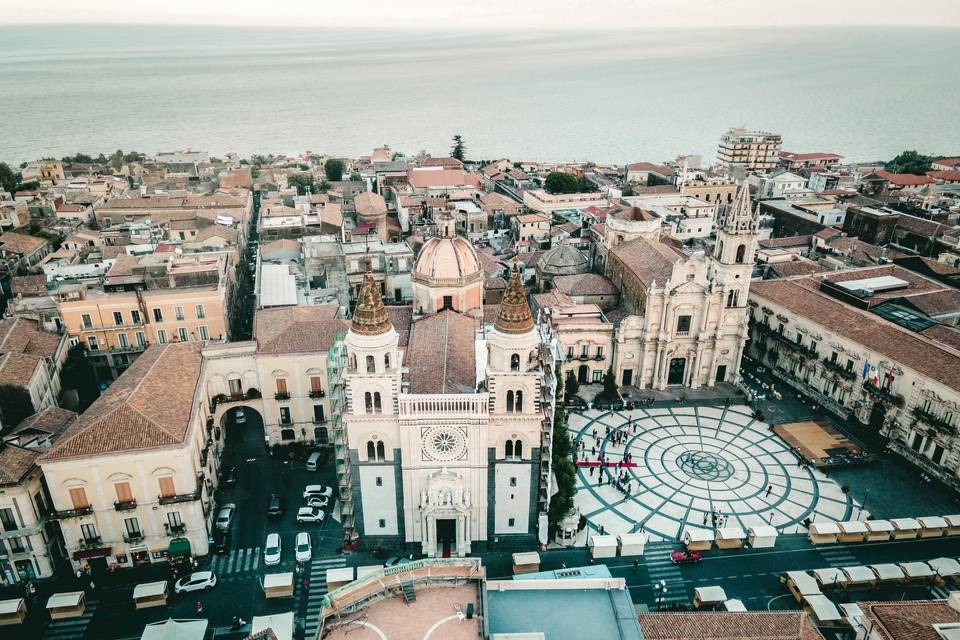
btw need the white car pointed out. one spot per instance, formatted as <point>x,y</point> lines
<point>317,501</point>
<point>317,490</point>
<point>271,550</point>
<point>199,581</point>
<point>309,514</point>
<point>303,548</point>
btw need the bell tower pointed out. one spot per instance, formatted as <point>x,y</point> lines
<point>373,356</point>
<point>513,357</point>
<point>736,246</point>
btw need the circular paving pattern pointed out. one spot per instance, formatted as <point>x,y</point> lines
<point>692,462</point>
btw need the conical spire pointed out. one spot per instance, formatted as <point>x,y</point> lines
<point>370,316</point>
<point>514,315</point>
<point>739,215</point>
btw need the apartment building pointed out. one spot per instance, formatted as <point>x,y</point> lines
<point>749,150</point>
<point>31,358</point>
<point>137,469</point>
<point>153,299</point>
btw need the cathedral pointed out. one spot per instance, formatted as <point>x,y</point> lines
<point>447,421</point>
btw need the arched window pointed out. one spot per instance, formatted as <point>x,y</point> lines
<point>518,449</point>
<point>368,401</point>
<point>371,365</point>
<point>510,401</point>
<point>732,299</point>
<point>515,362</point>
<point>518,404</point>
<point>381,455</point>
<point>377,405</point>
<point>353,361</point>
<point>508,450</point>
<point>708,197</point>
<point>741,253</point>
<point>386,361</point>
<point>371,450</point>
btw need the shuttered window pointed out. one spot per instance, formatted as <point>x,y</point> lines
<point>124,494</point>
<point>79,498</point>
<point>166,487</point>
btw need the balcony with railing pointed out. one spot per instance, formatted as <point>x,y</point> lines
<point>184,497</point>
<point>466,404</point>
<point>934,421</point>
<point>238,396</point>
<point>317,393</point>
<point>883,394</point>
<point>91,542</point>
<point>125,505</point>
<point>839,369</point>
<point>71,513</point>
<point>131,538</point>
<point>175,529</point>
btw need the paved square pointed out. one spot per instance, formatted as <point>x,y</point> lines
<point>692,461</point>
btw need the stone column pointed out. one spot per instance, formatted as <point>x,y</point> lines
<point>695,370</point>
<point>429,546</point>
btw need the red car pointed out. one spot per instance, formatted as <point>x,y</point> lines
<point>685,557</point>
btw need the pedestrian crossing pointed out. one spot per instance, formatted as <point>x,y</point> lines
<point>72,628</point>
<point>838,556</point>
<point>661,567</point>
<point>317,577</point>
<point>236,564</point>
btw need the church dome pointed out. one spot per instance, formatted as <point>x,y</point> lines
<point>447,258</point>
<point>564,260</point>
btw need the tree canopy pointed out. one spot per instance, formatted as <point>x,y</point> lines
<point>910,162</point>
<point>334,169</point>
<point>8,179</point>
<point>561,182</point>
<point>459,149</point>
<point>15,404</point>
<point>77,374</point>
<point>303,181</point>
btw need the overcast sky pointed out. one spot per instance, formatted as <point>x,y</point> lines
<point>491,13</point>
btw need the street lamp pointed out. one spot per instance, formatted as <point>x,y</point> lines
<point>660,588</point>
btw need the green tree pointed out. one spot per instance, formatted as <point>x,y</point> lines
<point>910,162</point>
<point>459,150</point>
<point>33,185</point>
<point>561,182</point>
<point>609,393</point>
<point>133,156</point>
<point>15,404</point>
<point>354,175</point>
<point>561,503</point>
<point>77,375</point>
<point>79,158</point>
<point>303,181</point>
<point>334,170</point>
<point>8,179</point>
<point>572,386</point>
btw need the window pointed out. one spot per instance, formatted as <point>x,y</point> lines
<point>89,532</point>
<point>510,401</point>
<point>368,401</point>
<point>599,352</point>
<point>683,325</point>
<point>123,340</point>
<point>732,299</point>
<point>381,451</point>
<point>518,404</point>
<point>382,523</point>
<point>741,253</point>
<point>371,364</point>
<point>8,520</point>
<point>173,519</point>
<point>161,336</point>
<point>518,449</point>
<point>182,332</point>
<point>316,384</point>
<point>569,352</point>
<point>508,449</point>
<point>379,481</point>
<point>377,406</point>
<point>178,313</point>
<point>204,333</point>
<point>583,350</point>
<point>371,450</point>
<point>281,385</point>
<point>287,434</point>
<point>167,488</point>
<point>448,302</point>
<point>597,375</point>
<point>16,546</point>
<point>158,315</point>
<point>513,482</point>
<point>132,526</point>
<point>124,494</point>
<point>511,522</point>
<point>201,314</point>
<point>117,318</point>
<point>285,415</point>
<point>386,361</point>
<point>318,414</point>
<point>92,343</point>
<point>79,498</point>
<point>135,316</point>
<point>849,366</point>
<point>87,322</point>
<point>515,362</point>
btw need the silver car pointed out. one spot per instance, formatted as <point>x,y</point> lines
<point>225,517</point>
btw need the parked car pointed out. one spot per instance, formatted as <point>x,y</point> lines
<point>313,461</point>
<point>231,476</point>
<point>275,507</point>
<point>317,501</point>
<point>685,557</point>
<point>225,516</point>
<point>303,549</point>
<point>221,541</point>
<point>312,490</point>
<point>309,514</point>
<point>239,417</point>
<point>393,561</point>
<point>199,581</point>
<point>271,550</point>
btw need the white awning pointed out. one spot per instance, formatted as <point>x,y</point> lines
<point>280,623</point>
<point>953,521</point>
<point>603,541</point>
<point>763,531</point>
<point>932,522</point>
<point>10,606</point>
<point>859,575</point>
<point>830,576</point>
<point>175,630</point>
<point>852,612</point>
<point>734,605</point>
<point>697,535</point>
<point>853,526</point>
<point>631,539</point>
<point>879,526</point>
<point>149,589</point>
<point>274,580</point>
<point>945,567</point>
<point>528,557</point>
<point>823,609</point>
<point>804,582</point>
<point>824,528</point>
<point>343,574</point>
<point>916,569</point>
<point>68,599</point>
<point>710,594</point>
<point>905,524</point>
<point>887,571</point>
<point>731,533</point>
<point>367,570</point>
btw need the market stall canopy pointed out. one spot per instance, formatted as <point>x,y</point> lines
<point>879,525</point>
<point>916,569</point>
<point>824,528</point>
<point>823,609</point>
<point>280,623</point>
<point>149,589</point>
<point>67,599</point>
<point>710,594</point>
<point>175,630</point>
<point>853,526</point>
<point>734,605</point>
<point>804,582</point>
<point>859,575</point>
<point>887,571</point>
<point>830,576</point>
<point>945,567</point>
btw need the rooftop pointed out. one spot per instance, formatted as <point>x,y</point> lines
<point>441,355</point>
<point>780,625</point>
<point>908,620</point>
<point>309,329</point>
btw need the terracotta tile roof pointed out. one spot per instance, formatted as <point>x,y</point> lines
<point>861,251</point>
<point>649,166</point>
<point>20,243</point>
<point>445,162</point>
<point>283,244</point>
<point>902,179</point>
<point>910,620</point>
<point>949,162</point>
<point>401,317</point>
<point>29,285</point>
<point>16,462</point>
<point>51,421</point>
<point>935,302</point>
<point>150,405</point>
<point>648,261</point>
<point>425,178</point>
<point>298,329</point>
<point>826,234</point>
<point>370,204</point>
<point>795,268</point>
<point>863,327</point>
<point>634,214</point>
<point>218,231</point>
<point>791,241</point>
<point>789,155</point>
<point>943,334</point>
<point>920,226</point>
<point>780,625</point>
<point>946,176</point>
<point>441,355</point>
<point>23,346</point>
<point>590,284</point>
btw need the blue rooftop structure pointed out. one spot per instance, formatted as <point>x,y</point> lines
<point>588,608</point>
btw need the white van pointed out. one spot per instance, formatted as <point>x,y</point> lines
<point>313,461</point>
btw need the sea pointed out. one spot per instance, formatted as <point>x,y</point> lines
<point>610,96</point>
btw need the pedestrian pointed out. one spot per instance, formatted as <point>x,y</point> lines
<point>769,489</point>
<point>600,480</point>
<point>636,563</point>
<point>591,471</point>
<point>593,451</point>
<point>199,607</point>
<point>704,518</point>
<point>602,530</point>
